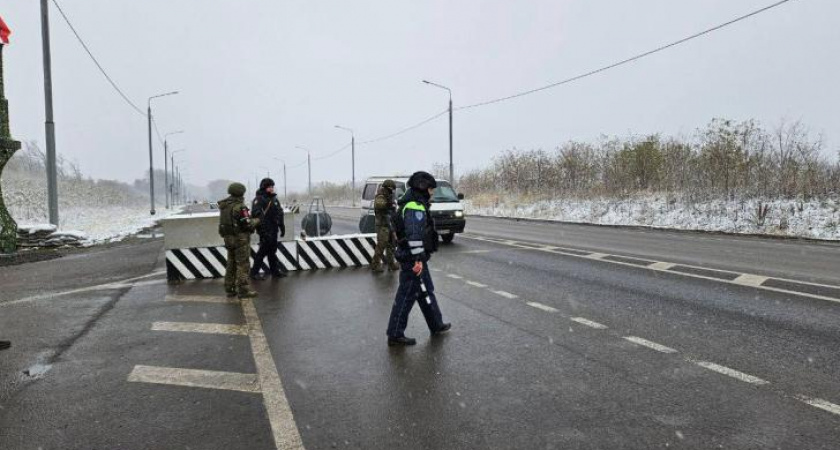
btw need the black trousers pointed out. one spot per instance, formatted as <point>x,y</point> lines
<point>268,248</point>
<point>407,294</point>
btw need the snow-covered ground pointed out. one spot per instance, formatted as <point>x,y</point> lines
<point>106,224</point>
<point>814,219</point>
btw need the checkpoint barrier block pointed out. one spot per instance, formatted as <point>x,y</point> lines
<point>302,254</point>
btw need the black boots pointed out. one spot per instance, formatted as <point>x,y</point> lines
<point>443,329</point>
<point>404,341</point>
<point>5,345</point>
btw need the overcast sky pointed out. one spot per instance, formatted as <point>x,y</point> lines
<point>259,77</point>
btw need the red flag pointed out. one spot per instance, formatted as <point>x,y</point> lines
<point>4,32</point>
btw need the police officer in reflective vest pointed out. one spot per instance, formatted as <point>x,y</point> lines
<point>416,240</point>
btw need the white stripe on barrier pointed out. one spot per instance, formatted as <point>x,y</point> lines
<point>341,253</point>
<point>326,253</point>
<point>285,261</point>
<point>196,263</point>
<point>305,248</point>
<point>356,252</point>
<point>366,245</point>
<point>182,270</point>
<point>212,259</point>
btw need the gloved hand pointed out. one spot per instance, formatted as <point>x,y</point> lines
<point>418,268</point>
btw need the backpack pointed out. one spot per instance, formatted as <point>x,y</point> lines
<point>227,226</point>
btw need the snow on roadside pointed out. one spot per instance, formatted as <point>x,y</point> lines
<point>815,219</point>
<point>101,225</point>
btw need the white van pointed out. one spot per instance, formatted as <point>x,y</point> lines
<point>447,210</point>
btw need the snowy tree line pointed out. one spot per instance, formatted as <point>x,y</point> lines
<point>725,160</point>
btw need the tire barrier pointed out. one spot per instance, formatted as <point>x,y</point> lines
<point>310,254</point>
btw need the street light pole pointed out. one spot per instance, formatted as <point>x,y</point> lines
<point>49,124</point>
<point>151,156</point>
<point>451,164</point>
<point>166,165</point>
<point>309,164</point>
<point>285,192</point>
<point>352,159</point>
<point>170,186</point>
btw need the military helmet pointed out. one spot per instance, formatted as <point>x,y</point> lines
<point>422,181</point>
<point>236,189</point>
<point>389,184</point>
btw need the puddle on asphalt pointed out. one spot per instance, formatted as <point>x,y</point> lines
<point>38,370</point>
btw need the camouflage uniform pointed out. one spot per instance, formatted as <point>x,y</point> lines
<point>236,226</point>
<point>383,206</point>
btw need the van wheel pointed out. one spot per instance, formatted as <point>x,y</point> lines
<point>447,238</point>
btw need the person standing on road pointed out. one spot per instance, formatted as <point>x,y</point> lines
<point>383,206</point>
<point>416,240</point>
<point>267,208</point>
<point>236,226</point>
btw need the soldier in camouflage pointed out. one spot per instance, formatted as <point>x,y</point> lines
<point>236,226</point>
<point>383,206</point>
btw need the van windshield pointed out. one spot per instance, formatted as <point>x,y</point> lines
<point>444,193</point>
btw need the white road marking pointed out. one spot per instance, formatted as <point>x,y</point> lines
<point>650,344</point>
<point>505,294</point>
<point>665,266</point>
<point>476,284</point>
<point>821,404</point>
<point>589,323</point>
<point>541,306</point>
<point>194,327</point>
<point>750,280</point>
<point>120,284</point>
<point>201,298</point>
<point>453,276</point>
<point>741,376</point>
<point>209,379</point>
<point>283,426</point>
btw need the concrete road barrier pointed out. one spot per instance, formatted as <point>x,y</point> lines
<point>194,249</point>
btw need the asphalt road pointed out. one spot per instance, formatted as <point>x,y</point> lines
<point>549,349</point>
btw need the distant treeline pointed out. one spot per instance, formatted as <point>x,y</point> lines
<point>727,159</point>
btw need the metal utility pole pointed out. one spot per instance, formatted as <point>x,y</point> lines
<point>52,171</point>
<point>171,181</point>
<point>166,164</point>
<point>451,164</point>
<point>352,158</point>
<point>151,150</point>
<point>285,191</point>
<point>309,164</point>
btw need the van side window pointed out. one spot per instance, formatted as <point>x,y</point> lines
<point>370,191</point>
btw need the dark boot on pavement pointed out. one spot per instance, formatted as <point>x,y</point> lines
<point>394,266</point>
<point>230,293</point>
<point>404,341</point>
<point>278,274</point>
<point>4,345</point>
<point>443,329</point>
<point>248,294</point>
<point>257,276</point>
<point>376,269</point>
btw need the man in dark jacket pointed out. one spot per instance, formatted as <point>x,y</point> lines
<point>267,208</point>
<point>415,243</point>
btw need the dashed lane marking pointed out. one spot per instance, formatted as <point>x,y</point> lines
<point>739,279</point>
<point>750,280</point>
<point>283,426</point>
<point>649,344</point>
<point>596,255</point>
<point>454,277</point>
<point>505,294</point>
<point>589,323</point>
<point>542,307</point>
<point>821,404</point>
<point>476,284</point>
<point>194,327</point>
<point>741,376</point>
<point>201,298</point>
<point>208,379</point>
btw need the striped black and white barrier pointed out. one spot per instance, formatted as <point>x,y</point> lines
<point>316,253</point>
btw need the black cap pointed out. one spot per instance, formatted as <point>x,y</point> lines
<point>422,181</point>
<point>266,182</point>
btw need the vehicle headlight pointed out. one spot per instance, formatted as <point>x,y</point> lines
<point>459,214</point>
